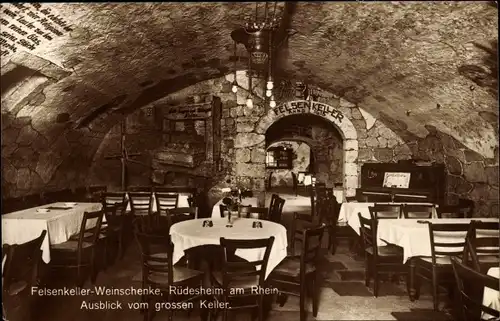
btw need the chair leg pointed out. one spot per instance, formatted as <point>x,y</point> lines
<point>314,295</point>
<point>435,293</point>
<point>261,307</point>
<point>376,281</point>
<point>367,271</point>
<point>303,312</point>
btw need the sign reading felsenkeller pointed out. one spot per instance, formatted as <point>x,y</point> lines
<point>306,106</point>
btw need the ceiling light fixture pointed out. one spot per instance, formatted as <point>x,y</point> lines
<point>257,36</point>
<point>234,85</point>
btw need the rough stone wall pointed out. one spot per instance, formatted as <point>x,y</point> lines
<point>43,148</point>
<point>469,175</point>
<point>243,143</point>
<point>283,177</point>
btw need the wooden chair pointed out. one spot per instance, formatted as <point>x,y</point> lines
<point>159,272</point>
<point>32,200</point>
<point>141,203</point>
<point>111,198</point>
<point>330,216</point>
<point>418,211</point>
<point>10,205</point>
<point>276,208</point>
<point>482,249</point>
<point>65,195</point>
<point>94,193</point>
<point>253,212</point>
<point>471,284</point>
<point>79,254</point>
<point>447,240</point>
<point>382,211</point>
<point>466,207</point>
<point>297,275</point>
<point>116,220</point>
<point>20,274</point>
<point>242,275</point>
<point>180,214</point>
<point>166,201</point>
<point>295,182</point>
<point>387,259</point>
<point>449,211</point>
<point>223,210</point>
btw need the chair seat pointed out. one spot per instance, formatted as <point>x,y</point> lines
<point>70,245</point>
<point>87,235</point>
<point>181,274</point>
<point>291,267</point>
<point>387,250</point>
<point>244,283</point>
<point>440,260</point>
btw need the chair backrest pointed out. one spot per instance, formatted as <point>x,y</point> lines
<point>141,203</point>
<point>145,189</point>
<point>368,232</point>
<point>383,211</point>
<point>151,245</point>
<point>311,246</point>
<point>482,247</point>
<point>91,223</point>
<point>276,208</point>
<point>253,212</point>
<point>181,214</point>
<point>235,270</point>
<point>95,192</point>
<point>418,211</point>
<point>111,198</point>
<point>471,285</point>
<point>449,211</point>
<point>114,213</point>
<point>21,262</point>
<point>166,201</point>
<point>447,239</point>
<point>466,207</point>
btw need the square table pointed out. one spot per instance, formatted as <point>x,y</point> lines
<point>26,225</point>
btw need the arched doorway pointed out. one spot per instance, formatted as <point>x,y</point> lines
<point>343,125</point>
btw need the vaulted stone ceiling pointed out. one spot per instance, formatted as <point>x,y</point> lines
<point>414,64</point>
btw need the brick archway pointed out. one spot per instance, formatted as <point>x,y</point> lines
<point>335,117</point>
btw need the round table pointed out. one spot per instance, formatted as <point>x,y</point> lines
<point>191,233</point>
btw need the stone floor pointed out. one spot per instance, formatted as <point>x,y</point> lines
<point>343,295</point>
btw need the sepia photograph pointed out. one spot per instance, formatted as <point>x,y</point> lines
<point>263,161</point>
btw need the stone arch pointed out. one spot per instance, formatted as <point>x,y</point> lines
<point>336,118</point>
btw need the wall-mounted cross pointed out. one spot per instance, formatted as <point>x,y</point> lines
<point>124,156</point>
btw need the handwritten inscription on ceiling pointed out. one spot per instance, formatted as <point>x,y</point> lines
<point>194,111</point>
<point>25,26</point>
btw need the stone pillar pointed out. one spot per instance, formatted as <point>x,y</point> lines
<point>250,155</point>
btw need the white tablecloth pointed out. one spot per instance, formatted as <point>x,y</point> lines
<point>414,237</point>
<point>182,202</point>
<point>349,212</point>
<point>26,225</point>
<point>189,234</point>
<point>491,298</point>
<point>253,201</point>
